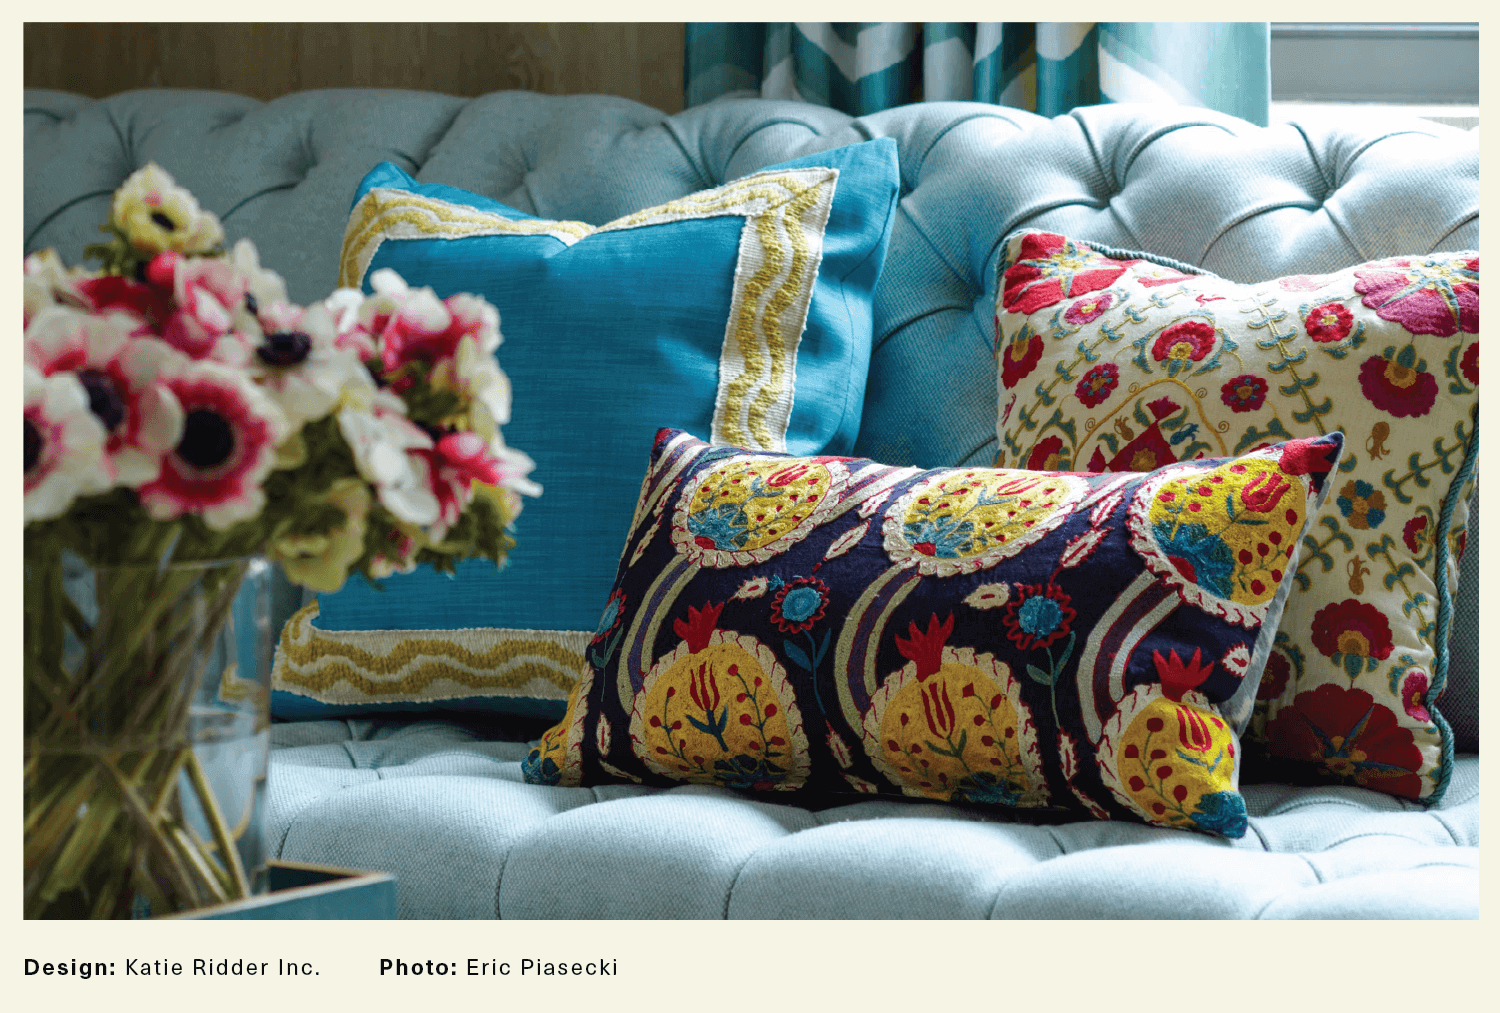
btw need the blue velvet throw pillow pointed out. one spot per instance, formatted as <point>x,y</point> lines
<point>743,312</point>
<point>1089,643</point>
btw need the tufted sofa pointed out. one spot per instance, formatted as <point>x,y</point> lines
<point>441,803</point>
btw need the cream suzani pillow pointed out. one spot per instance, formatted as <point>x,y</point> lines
<point>1114,362</point>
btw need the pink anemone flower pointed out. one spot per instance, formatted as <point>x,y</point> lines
<point>415,326</point>
<point>207,293</point>
<point>141,418</point>
<point>460,459</point>
<point>228,446</point>
<point>64,445</point>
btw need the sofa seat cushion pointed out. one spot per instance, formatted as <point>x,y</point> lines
<point>443,806</point>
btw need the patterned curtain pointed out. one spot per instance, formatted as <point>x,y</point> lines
<point>1045,67</point>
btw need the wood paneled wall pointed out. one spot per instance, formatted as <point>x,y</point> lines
<point>642,61</point>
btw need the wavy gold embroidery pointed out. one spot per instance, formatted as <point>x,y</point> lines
<point>781,247</point>
<point>386,213</point>
<point>381,666</point>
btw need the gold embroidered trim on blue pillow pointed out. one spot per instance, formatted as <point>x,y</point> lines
<point>387,213</point>
<point>781,247</point>
<point>348,667</point>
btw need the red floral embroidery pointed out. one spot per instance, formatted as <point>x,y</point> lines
<point>1350,736</point>
<point>1329,322</point>
<point>1020,358</point>
<point>1352,627</point>
<point>1397,385</point>
<point>1415,534</point>
<point>1426,295</point>
<point>1469,365</point>
<point>1274,676</point>
<point>1052,268</point>
<point>1178,676</point>
<point>1189,340</point>
<point>1245,393</point>
<point>1302,457</point>
<point>926,648</point>
<point>1146,452</point>
<point>1097,384</point>
<point>1044,456</point>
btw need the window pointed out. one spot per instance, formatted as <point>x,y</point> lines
<point>1424,69</point>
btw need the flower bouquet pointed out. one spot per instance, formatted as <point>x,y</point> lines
<point>183,423</point>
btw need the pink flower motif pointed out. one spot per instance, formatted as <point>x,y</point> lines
<point>1304,282</point>
<point>1189,341</point>
<point>119,373</point>
<point>1245,393</point>
<point>1088,309</point>
<point>1469,365</point>
<point>1329,322</point>
<point>228,446</point>
<point>1097,384</point>
<point>1051,268</point>
<point>1398,384</point>
<point>1436,294</point>
<point>1414,696</point>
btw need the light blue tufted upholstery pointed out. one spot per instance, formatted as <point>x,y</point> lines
<point>447,812</point>
<point>444,807</point>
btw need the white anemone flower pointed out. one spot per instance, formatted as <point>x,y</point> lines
<point>514,467</point>
<point>297,362</point>
<point>63,447</point>
<point>46,281</point>
<point>141,418</point>
<point>263,286</point>
<point>155,214</point>
<point>381,440</point>
<point>351,333</point>
<point>479,382</point>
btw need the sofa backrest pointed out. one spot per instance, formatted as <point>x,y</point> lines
<point>1244,202</point>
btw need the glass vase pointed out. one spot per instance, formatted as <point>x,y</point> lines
<point>147,734</point>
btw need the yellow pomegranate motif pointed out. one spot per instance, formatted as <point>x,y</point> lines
<point>1174,762</point>
<point>950,725</point>
<point>1224,535</point>
<point>962,521</point>
<point>719,710</point>
<point>750,509</point>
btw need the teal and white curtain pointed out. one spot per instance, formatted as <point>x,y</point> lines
<point>1044,67</point>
